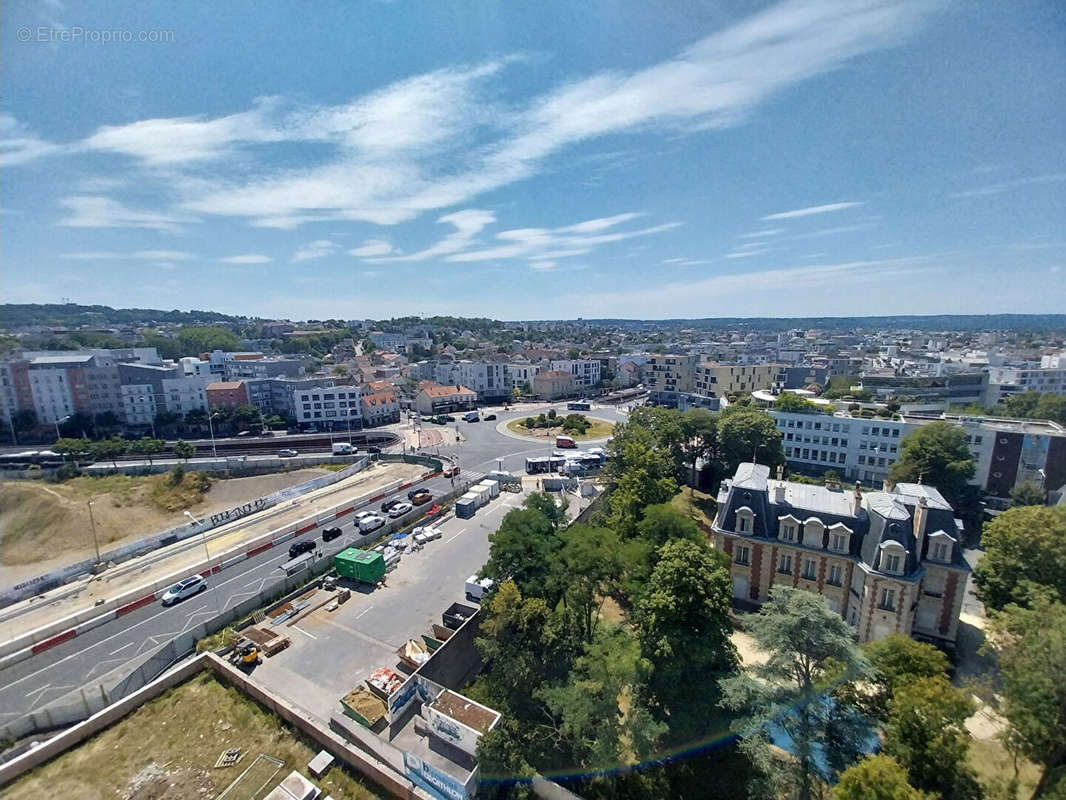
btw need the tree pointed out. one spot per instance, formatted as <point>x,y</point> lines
<point>529,423</point>
<point>877,777</point>
<point>521,550</point>
<point>682,620</point>
<point>663,523</point>
<point>926,733</point>
<point>810,649</point>
<point>590,563</point>
<point>184,450</point>
<point>1023,556</point>
<point>245,415</point>
<point>747,433</point>
<point>788,401</point>
<point>898,661</point>
<point>1053,407</point>
<point>1026,494</point>
<point>1031,647</point>
<point>699,436</point>
<point>110,449</point>
<point>194,340</point>
<point>148,447</point>
<point>554,510</point>
<point>937,455</point>
<point>72,447</point>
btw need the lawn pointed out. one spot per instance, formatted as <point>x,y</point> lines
<point>600,429</point>
<point>695,504</point>
<point>166,750</point>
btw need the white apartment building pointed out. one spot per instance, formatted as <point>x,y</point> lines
<point>586,372</point>
<point>487,378</point>
<point>138,404</point>
<point>182,395</point>
<point>1005,381</point>
<point>321,406</point>
<point>520,376</point>
<point>388,341</point>
<point>191,365</point>
<point>53,397</point>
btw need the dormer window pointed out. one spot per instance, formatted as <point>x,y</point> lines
<point>788,532</point>
<point>838,542</point>
<point>893,558</point>
<point>941,547</point>
<point>892,564</point>
<point>745,520</point>
<point>839,538</point>
<point>940,551</point>
<point>813,532</point>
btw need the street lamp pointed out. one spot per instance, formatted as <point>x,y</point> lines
<point>211,428</point>
<point>57,423</point>
<point>92,522</point>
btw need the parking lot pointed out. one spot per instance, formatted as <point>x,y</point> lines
<point>332,652</point>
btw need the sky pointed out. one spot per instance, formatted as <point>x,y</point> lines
<point>545,160</point>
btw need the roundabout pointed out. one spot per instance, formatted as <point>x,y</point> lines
<point>600,431</point>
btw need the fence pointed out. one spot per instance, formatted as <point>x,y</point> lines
<point>80,704</point>
<point>51,580</point>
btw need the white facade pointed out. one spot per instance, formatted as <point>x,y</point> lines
<point>138,404</point>
<point>586,372</point>
<point>191,365</point>
<point>52,397</point>
<point>182,395</point>
<point>388,341</point>
<point>521,375</point>
<point>487,378</point>
<point>338,404</point>
<point>1005,381</point>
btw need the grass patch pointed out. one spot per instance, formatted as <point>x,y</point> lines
<point>600,429</point>
<point>994,765</point>
<point>175,491</point>
<point>181,732</point>
<point>695,505</point>
<point>332,467</point>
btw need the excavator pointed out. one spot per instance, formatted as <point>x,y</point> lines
<point>245,655</point>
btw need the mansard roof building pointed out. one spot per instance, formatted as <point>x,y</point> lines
<point>887,561</point>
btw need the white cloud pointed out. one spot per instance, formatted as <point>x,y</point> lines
<point>438,140</point>
<point>997,188</point>
<point>316,249</point>
<point>750,253</point>
<point>762,234</point>
<point>93,211</point>
<point>806,212</point>
<point>248,258</point>
<point>468,224</point>
<point>372,247</point>
<point>18,145</point>
<point>145,255</point>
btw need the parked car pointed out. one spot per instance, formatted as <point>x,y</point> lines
<point>329,534</point>
<point>421,497</point>
<point>389,504</point>
<point>183,589</point>
<point>471,416</point>
<point>442,419</point>
<point>287,453</point>
<point>361,515</point>
<point>411,494</point>
<point>399,509</point>
<point>450,469</point>
<point>489,417</point>
<point>299,548</point>
<point>370,522</point>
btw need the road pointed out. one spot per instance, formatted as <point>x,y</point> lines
<point>41,679</point>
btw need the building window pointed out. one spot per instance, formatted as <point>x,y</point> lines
<point>835,575</point>
<point>788,532</point>
<point>891,564</point>
<point>838,542</point>
<point>940,551</point>
<point>743,556</point>
<point>808,569</point>
<point>887,601</point>
<point>785,565</point>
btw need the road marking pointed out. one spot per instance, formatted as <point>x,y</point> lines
<point>301,630</point>
<point>456,535</point>
<point>119,650</point>
<point>362,612</point>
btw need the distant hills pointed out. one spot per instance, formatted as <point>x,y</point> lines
<point>14,315</point>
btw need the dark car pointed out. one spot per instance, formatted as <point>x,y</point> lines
<point>411,494</point>
<point>388,504</point>
<point>299,548</point>
<point>489,417</point>
<point>329,534</point>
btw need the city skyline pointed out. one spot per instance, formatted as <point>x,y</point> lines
<point>801,159</point>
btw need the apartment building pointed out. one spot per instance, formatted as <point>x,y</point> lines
<point>552,384</point>
<point>434,398</point>
<point>887,562</point>
<point>1006,381</point>
<point>388,341</point>
<point>586,372</point>
<point>520,376</point>
<point>380,408</point>
<point>186,393</point>
<point>326,407</point>
<point>669,374</point>
<point>1006,452</point>
<point>487,378</point>
<point>722,380</point>
<point>226,394</point>
<point>277,395</point>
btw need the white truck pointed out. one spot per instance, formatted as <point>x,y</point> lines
<point>475,589</point>
<point>343,449</point>
<point>371,522</point>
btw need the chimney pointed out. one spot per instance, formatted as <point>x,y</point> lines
<point>885,485</point>
<point>780,472</point>
<point>921,516</point>
<point>856,500</point>
<point>779,493</point>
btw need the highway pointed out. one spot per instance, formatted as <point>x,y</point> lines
<point>35,682</point>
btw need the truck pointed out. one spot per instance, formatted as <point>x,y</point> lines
<point>565,441</point>
<point>369,523</point>
<point>342,449</point>
<point>364,566</point>
<point>475,589</point>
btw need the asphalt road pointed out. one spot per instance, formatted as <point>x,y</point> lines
<point>43,678</point>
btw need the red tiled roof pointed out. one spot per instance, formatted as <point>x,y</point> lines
<point>224,385</point>
<point>446,391</point>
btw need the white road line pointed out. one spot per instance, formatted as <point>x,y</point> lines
<point>456,535</point>
<point>119,650</point>
<point>301,630</point>
<point>362,612</point>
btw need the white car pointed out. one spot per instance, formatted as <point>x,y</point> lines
<point>399,510</point>
<point>183,589</point>
<point>361,515</point>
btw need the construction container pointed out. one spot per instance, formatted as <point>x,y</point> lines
<point>456,614</point>
<point>482,495</point>
<point>466,505</point>
<point>364,707</point>
<point>364,566</point>
<point>492,485</point>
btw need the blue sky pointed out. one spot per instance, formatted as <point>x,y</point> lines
<point>536,160</point>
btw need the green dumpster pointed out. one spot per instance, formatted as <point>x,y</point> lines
<point>365,566</point>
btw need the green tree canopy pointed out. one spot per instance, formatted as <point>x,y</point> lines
<point>72,447</point>
<point>811,650</point>
<point>110,449</point>
<point>148,447</point>
<point>1026,494</point>
<point>1031,647</point>
<point>184,450</point>
<point>926,732</point>
<point>897,661</point>
<point>877,777</point>
<point>936,454</point>
<point>789,401</point>
<point>194,340</point>
<point>1024,555</point>
<point>699,436</point>
<point>744,433</point>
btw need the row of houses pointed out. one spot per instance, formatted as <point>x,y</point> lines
<point>495,381</point>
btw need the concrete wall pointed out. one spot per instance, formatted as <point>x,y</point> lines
<point>456,662</point>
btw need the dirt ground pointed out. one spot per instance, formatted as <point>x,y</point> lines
<point>42,524</point>
<point>166,750</point>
